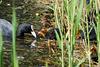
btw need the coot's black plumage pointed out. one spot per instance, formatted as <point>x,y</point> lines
<point>6,27</point>
<point>92,34</point>
<point>23,28</point>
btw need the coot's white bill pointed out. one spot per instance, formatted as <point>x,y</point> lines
<point>34,34</point>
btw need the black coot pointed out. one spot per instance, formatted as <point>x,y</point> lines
<point>23,28</point>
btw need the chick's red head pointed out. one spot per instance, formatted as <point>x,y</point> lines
<point>43,32</point>
<point>78,35</point>
<point>93,49</point>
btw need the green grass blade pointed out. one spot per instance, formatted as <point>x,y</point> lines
<point>46,64</point>
<point>68,47</point>
<point>70,54</point>
<point>62,17</point>
<point>56,17</point>
<point>51,8</point>
<point>61,35</point>
<point>78,20</point>
<point>81,61</point>
<point>72,10</point>
<point>89,6</point>
<point>14,25</point>
<point>98,28</point>
<point>1,48</point>
<point>58,39</point>
<point>0,1</point>
<point>65,6</point>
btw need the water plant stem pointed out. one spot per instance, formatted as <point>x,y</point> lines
<point>1,48</point>
<point>14,25</point>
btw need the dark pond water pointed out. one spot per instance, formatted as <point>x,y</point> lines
<point>30,51</point>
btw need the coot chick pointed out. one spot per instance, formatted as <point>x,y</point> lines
<point>50,34</point>
<point>92,34</point>
<point>94,55</point>
<point>23,28</point>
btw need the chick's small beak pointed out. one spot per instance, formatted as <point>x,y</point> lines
<point>41,33</point>
<point>34,34</point>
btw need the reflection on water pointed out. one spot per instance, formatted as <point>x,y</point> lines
<point>29,52</point>
<point>33,43</point>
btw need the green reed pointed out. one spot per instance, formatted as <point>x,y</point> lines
<point>87,38</point>
<point>1,45</point>
<point>94,5</point>
<point>0,1</point>
<point>70,15</point>
<point>73,28</point>
<point>1,48</point>
<point>69,8</point>
<point>60,41</point>
<point>98,28</point>
<point>14,26</point>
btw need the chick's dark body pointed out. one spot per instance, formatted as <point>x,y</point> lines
<point>51,34</point>
<point>92,33</point>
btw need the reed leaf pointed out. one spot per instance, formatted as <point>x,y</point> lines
<point>77,21</point>
<point>0,1</point>
<point>58,39</point>
<point>1,48</point>
<point>51,8</point>
<point>70,54</point>
<point>81,61</point>
<point>14,56</point>
<point>91,2</point>
<point>46,64</point>
<point>98,27</point>
<point>64,1</point>
<point>72,10</point>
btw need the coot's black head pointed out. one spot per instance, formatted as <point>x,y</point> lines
<point>25,28</point>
